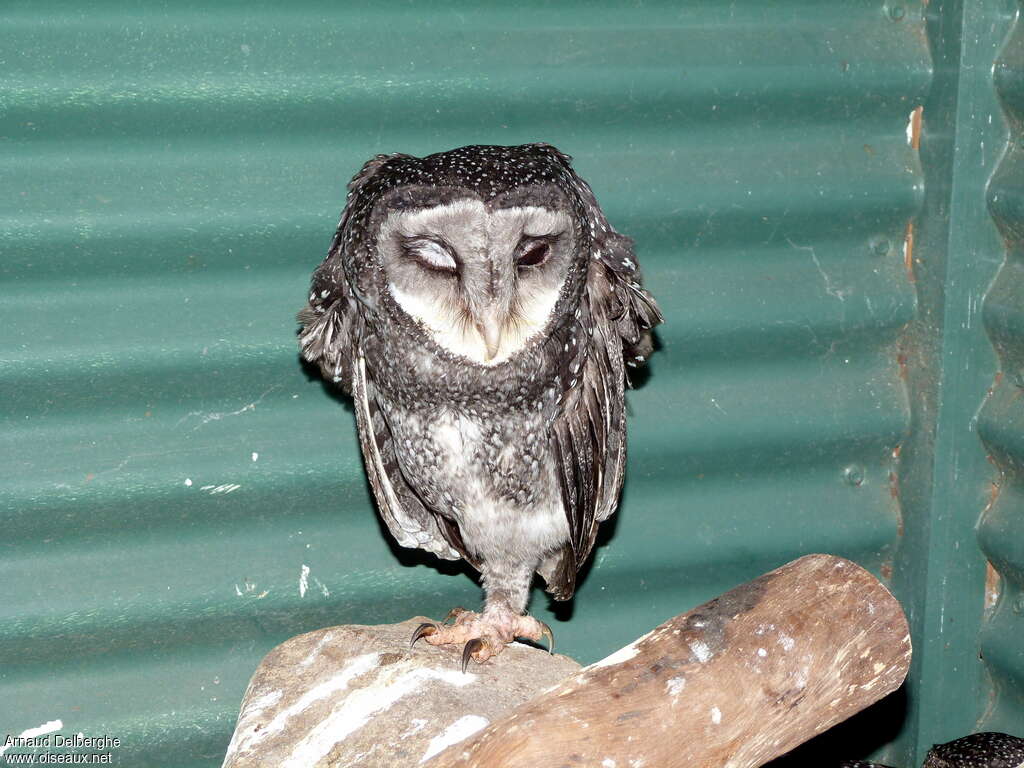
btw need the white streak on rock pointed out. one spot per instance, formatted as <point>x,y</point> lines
<point>248,738</point>
<point>716,715</point>
<point>326,638</point>
<point>392,683</point>
<point>462,728</point>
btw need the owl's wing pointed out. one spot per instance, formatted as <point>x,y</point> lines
<point>409,520</point>
<point>331,321</point>
<point>330,338</point>
<point>332,328</point>
<point>325,336</point>
<point>588,436</point>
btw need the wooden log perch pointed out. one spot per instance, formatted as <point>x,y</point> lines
<point>736,682</point>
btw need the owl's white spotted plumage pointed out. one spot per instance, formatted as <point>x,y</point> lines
<point>482,312</point>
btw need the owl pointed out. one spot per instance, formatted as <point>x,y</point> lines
<point>482,314</point>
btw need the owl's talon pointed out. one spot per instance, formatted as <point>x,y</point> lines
<point>545,631</point>
<point>472,647</point>
<point>423,630</point>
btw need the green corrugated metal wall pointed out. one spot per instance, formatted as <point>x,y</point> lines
<point>173,172</point>
<point>1001,420</point>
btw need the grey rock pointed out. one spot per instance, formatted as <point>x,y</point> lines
<point>358,696</point>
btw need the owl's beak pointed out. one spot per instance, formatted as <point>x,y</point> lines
<point>490,331</point>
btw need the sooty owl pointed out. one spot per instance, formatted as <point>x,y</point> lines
<point>481,312</point>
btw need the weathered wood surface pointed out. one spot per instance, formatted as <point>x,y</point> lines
<point>359,696</point>
<point>736,682</point>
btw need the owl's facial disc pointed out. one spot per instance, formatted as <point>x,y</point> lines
<point>481,281</point>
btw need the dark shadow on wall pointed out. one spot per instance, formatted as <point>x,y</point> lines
<point>852,739</point>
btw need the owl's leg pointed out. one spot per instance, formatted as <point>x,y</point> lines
<point>502,620</point>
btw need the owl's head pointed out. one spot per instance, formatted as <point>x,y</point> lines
<point>482,247</point>
<point>482,277</point>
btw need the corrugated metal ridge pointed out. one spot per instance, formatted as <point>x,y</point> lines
<point>633,181</point>
<point>1000,423</point>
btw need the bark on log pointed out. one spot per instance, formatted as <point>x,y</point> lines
<point>736,682</point>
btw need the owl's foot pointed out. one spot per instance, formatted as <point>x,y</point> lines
<point>484,634</point>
